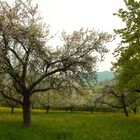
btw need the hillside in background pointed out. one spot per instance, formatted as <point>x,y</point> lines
<point>105,75</point>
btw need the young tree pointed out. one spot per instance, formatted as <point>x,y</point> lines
<point>31,63</point>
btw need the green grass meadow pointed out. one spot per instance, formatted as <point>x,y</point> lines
<point>69,126</point>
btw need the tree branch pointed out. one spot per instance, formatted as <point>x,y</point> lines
<point>14,52</point>
<point>137,90</point>
<point>113,106</point>
<point>10,98</point>
<point>44,76</point>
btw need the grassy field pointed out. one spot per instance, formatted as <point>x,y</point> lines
<point>69,126</point>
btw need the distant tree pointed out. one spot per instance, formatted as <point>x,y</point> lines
<point>115,97</point>
<point>9,94</point>
<point>44,100</point>
<point>127,67</point>
<point>133,101</point>
<point>95,97</point>
<point>10,97</point>
<point>120,98</point>
<point>32,65</point>
<point>12,105</point>
<point>66,96</point>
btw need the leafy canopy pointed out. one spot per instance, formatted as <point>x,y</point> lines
<point>31,63</point>
<point>127,66</point>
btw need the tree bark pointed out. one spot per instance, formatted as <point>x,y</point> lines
<point>91,110</point>
<point>124,106</point>
<point>135,109</point>
<point>71,108</point>
<point>12,109</point>
<point>47,109</point>
<point>26,111</point>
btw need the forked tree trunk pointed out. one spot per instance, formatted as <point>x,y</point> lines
<point>26,111</point>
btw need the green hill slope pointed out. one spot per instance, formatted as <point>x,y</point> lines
<point>105,75</point>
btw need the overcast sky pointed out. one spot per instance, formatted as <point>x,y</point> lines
<point>74,14</point>
<point>70,15</point>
